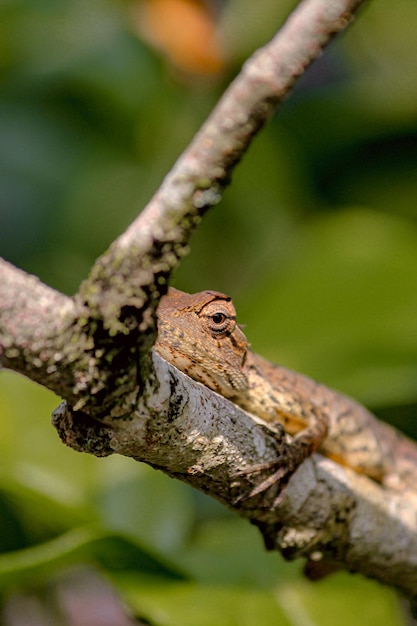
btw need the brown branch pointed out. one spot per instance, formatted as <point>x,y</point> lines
<point>201,438</point>
<point>34,319</point>
<point>51,338</point>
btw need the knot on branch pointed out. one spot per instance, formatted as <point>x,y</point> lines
<point>81,432</point>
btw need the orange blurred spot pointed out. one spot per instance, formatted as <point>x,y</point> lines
<point>185,30</point>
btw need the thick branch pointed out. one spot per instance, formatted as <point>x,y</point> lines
<point>50,338</point>
<point>33,319</point>
<point>201,438</point>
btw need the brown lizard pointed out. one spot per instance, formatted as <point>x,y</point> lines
<point>198,334</point>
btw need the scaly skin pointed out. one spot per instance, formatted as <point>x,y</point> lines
<point>198,334</point>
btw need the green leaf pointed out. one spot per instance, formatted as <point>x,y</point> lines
<point>196,605</point>
<point>344,309</point>
<point>344,599</point>
<point>114,552</point>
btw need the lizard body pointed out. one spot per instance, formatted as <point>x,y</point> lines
<point>199,335</point>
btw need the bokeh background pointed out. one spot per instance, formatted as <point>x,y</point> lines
<point>316,241</point>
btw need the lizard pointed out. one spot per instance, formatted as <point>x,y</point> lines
<point>198,333</point>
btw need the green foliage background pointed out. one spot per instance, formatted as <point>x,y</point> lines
<point>316,241</point>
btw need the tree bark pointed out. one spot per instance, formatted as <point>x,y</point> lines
<point>327,511</point>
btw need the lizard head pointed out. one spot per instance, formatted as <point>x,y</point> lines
<point>198,334</point>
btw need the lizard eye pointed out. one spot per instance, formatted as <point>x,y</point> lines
<point>220,322</point>
<point>218,318</point>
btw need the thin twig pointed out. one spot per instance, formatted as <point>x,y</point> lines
<point>139,262</point>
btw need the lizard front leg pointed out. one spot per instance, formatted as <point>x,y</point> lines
<point>282,410</point>
<point>276,400</point>
<point>290,452</point>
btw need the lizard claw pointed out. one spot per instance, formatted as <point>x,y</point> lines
<point>279,478</point>
<point>290,455</point>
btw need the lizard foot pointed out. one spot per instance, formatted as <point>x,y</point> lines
<point>289,458</point>
<point>276,478</point>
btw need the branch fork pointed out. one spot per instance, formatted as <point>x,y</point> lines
<point>94,349</point>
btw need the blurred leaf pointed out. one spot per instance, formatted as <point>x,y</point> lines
<point>247,25</point>
<point>32,515</point>
<point>194,605</point>
<point>115,552</point>
<point>231,552</point>
<point>148,505</point>
<point>30,450</point>
<point>346,599</point>
<point>341,309</point>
